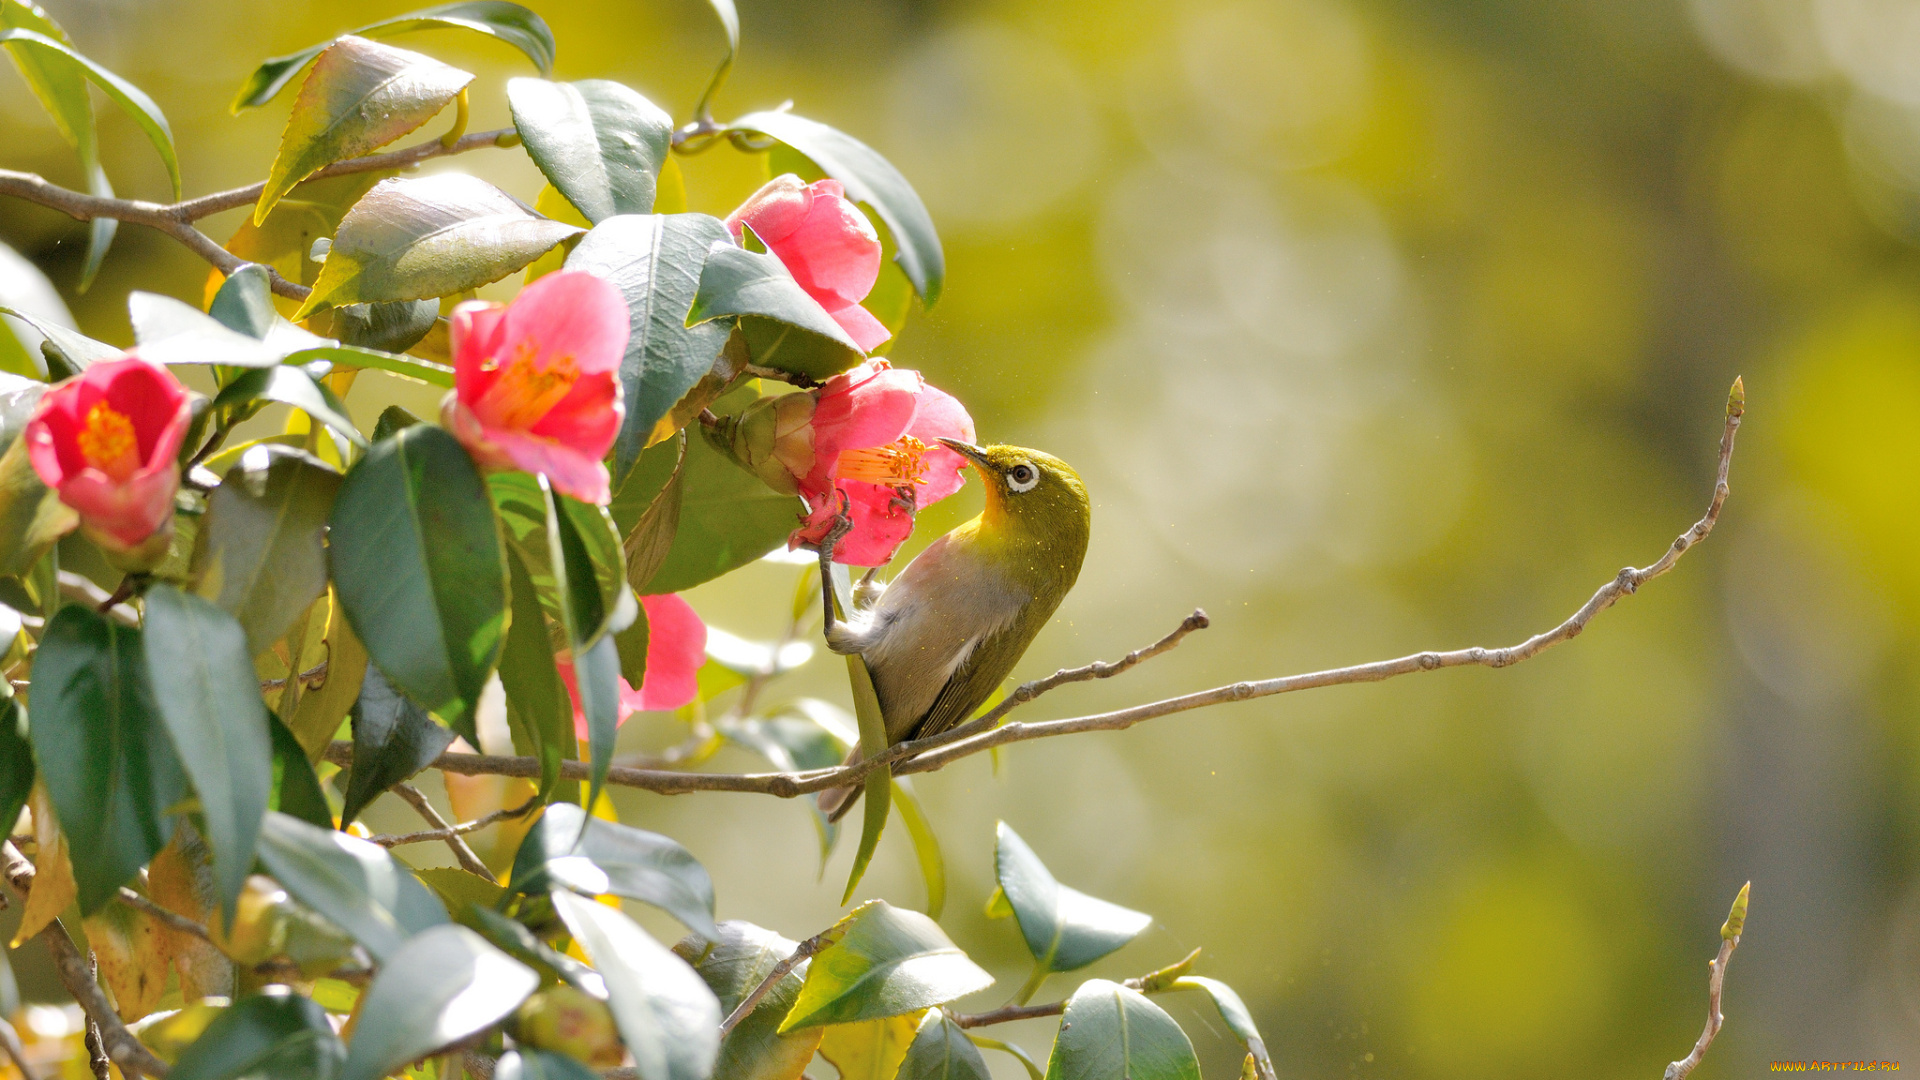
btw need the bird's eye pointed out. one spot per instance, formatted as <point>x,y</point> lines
<point>1022,477</point>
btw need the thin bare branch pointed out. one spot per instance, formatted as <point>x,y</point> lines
<point>740,1012</point>
<point>208,205</point>
<point>1717,967</point>
<point>121,1047</point>
<point>938,751</point>
<point>10,1042</point>
<point>461,852</point>
<point>393,840</point>
<point>172,919</point>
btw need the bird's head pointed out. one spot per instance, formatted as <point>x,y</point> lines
<point>1028,492</point>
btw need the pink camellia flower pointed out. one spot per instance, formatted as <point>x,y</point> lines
<point>536,383</point>
<point>109,442</point>
<point>676,647</point>
<point>825,242</point>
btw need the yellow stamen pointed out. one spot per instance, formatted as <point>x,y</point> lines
<point>900,462</point>
<point>529,386</point>
<point>108,443</point>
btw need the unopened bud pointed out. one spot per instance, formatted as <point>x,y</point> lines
<point>572,1022</point>
<point>1737,918</point>
<point>772,439</point>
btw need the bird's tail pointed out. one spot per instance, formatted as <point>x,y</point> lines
<point>835,802</point>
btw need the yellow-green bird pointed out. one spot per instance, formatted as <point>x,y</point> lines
<point>943,634</point>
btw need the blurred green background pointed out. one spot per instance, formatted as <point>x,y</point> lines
<point>1373,327</point>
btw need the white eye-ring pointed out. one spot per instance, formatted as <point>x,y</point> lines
<point>1022,477</point>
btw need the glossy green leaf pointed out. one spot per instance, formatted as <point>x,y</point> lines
<point>393,739</point>
<point>926,846</point>
<point>1235,1014</point>
<point>58,83</point>
<point>521,944</point>
<point>354,884</point>
<point>655,260</point>
<point>598,142</point>
<point>82,350</point>
<point>103,751</point>
<point>733,962</point>
<point>527,1063</point>
<point>443,985</point>
<point>360,96</point>
<point>881,961</point>
<point>275,1035</point>
<point>24,286</point>
<point>727,516</point>
<point>596,676</point>
<point>260,553</point>
<point>427,371</point>
<point>942,1051</point>
<point>1025,1059</point>
<point>610,858</point>
<point>203,681</point>
<point>879,782</point>
<point>736,282</point>
<point>416,238</point>
<point>871,179</point>
<point>172,332</point>
<point>511,23</point>
<point>391,327</point>
<point>581,590</point>
<point>16,761</point>
<point>1065,929</point>
<point>296,788</point>
<point>668,1018</point>
<point>539,713</point>
<point>1112,1033</point>
<point>291,385</point>
<point>244,302</point>
<point>418,566</point>
<point>19,398</point>
<point>131,99</point>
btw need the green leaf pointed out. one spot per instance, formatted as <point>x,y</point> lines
<point>871,179</point>
<point>172,332</point>
<point>296,788</point>
<point>511,23</point>
<point>32,517</point>
<point>418,566</point>
<point>879,786</point>
<point>131,99</point>
<point>668,1018</point>
<point>391,327</point>
<point>1112,1033</point>
<point>539,713</point>
<point>733,962</point>
<point>727,518</point>
<point>520,943</point>
<point>412,239</point>
<point>360,96</point>
<point>277,1035</point>
<point>598,142</point>
<point>209,697</point>
<point>1234,1012</point>
<point>356,885</point>
<point>103,752</point>
<point>582,589</point>
<point>16,762</point>
<point>77,347</point>
<point>412,367</point>
<point>1065,929</point>
<point>610,858</point>
<point>942,1051</point>
<point>882,961</point>
<point>596,675</point>
<point>527,1063</point>
<point>291,385</point>
<point>22,285</point>
<point>737,282</point>
<point>1025,1059</point>
<point>445,984</point>
<point>261,554</point>
<point>926,846</point>
<point>244,302</point>
<point>655,260</point>
<point>393,739</point>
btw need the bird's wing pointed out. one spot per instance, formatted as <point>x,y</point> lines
<point>984,668</point>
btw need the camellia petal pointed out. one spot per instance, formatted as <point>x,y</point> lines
<point>825,242</point>
<point>676,648</point>
<point>108,443</point>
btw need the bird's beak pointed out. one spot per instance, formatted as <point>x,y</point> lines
<point>966,450</point>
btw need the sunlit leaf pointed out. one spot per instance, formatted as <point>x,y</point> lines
<point>1234,1013</point>
<point>291,385</point>
<point>1065,929</point>
<point>203,681</point>
<point>655,260</point>
<point>871,179</point>
<point>317,717</point>
<point>412,239</point>
<point>942,1051</point>
<point>425,587</point>
<point>104,753</point>
<point>733,962</point>
<point>1112,1033</point>
<point>870,1049</point>
<point>23,286</point>
<point>926,846</point>
<point>1013,1050</point>
<point>261,554</point>
<point>880,961</point>
<point>393,739</point>
<point>521,943</point>
<point>616,859</point>
<point>879,786</point>
<point>511,23</point>
<point>53,886</point>
<point>354,884</point>
<point>131,99</point>
<point>598,142</point>
<point>668,1018</point>
<point>276,1035</point>
<point>130,951</point>
<point>360,96</point>
<point>391,327</point>
<point>803,338</point>
<point>443,985</point>
<point>171,332</point>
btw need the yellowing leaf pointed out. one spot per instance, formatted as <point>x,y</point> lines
<point>53,884</point>
<point>317,717</point>
<point>872,1050</point>
<point>550,203</point>
<point>360,96</point>
<point>180,879</point>
<point>134,955</point>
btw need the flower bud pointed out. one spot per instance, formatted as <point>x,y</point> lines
<point>572,1022</point>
